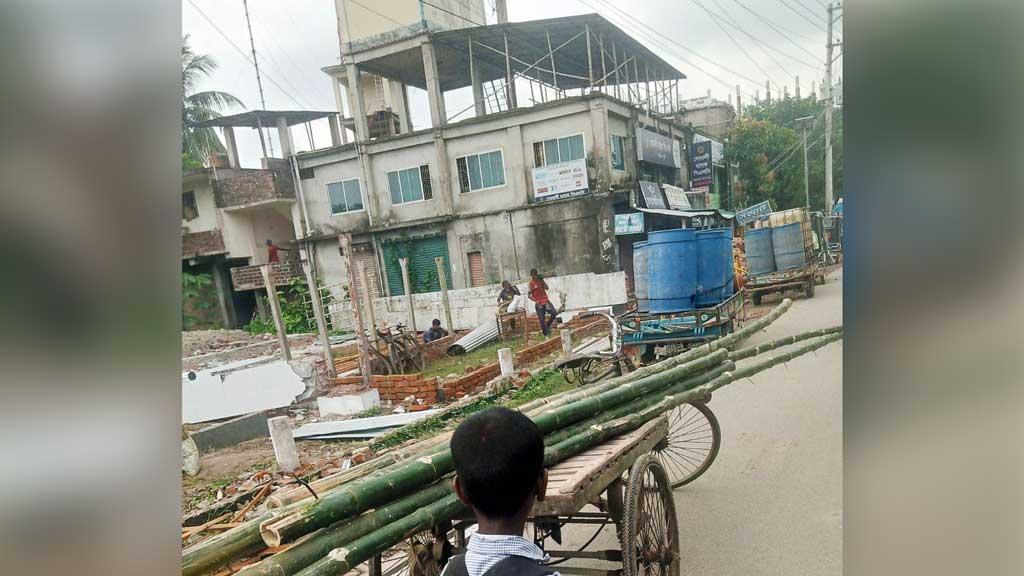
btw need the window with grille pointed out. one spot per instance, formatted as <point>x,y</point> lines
<point>481,171</point>
<point>189,210</point>
<point>476,269</point>
<point>618,152</point>
<point>410,185</point>
<point>306,173</point>
<point>345,196</point>
<point>558,150</point>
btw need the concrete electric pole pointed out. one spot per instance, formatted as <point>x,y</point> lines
<point>829,100</point>
<point>807,189</point>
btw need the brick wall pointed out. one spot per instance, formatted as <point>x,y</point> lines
<point>393,388</point>
<point>253,186</point>
<point>204,243</point>
<point>250,277</point>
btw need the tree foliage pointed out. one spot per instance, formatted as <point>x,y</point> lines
<point>766,144</point>
<point>196,107</point>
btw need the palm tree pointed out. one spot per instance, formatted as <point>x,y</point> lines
<point>199,106</point>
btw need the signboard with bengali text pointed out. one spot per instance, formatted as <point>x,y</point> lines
<point>656,149</point>
<point>751,213</point>
<point>632,223</point>
<point>562,180</point>
<point>700,164</point>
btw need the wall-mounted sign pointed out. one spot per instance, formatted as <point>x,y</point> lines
<point>632,223</point>
<point>657,149</point>
<point>700,164</point>
<point>562,180</point>
<point>652,196</point>
<point>717,150</point>
<point>751,213</point>
<point>677,198</point>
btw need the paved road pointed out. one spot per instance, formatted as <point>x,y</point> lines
<point>772,501</point>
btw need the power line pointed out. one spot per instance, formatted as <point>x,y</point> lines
<point>736,26</point>
<point>241,52</point>
<point>731,38</point>
<point>756,41</point>
<point>801,14</point>
<point>809,11</point>
<point>368,9</point>
<point>785,33</point>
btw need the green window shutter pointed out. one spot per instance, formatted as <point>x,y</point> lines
<point>422,270</point>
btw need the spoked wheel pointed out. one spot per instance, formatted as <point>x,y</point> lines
<point>692,443</point>
<point>650,532</point>
<point>425,554</point>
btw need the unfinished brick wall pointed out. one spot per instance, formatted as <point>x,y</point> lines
<point>253,186</point>
<point>395,388</point>
<point>203,243</point>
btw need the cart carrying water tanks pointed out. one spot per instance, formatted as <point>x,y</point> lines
<point>672,270</point>
<point>714,266</point>
<point>760,252</point>
<point>788,246</point>
<point>641,276</point>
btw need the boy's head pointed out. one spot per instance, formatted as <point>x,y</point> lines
<point>435,323</point>
<point>533,273</point>
<point>499,463</point>
<point>506,284</point>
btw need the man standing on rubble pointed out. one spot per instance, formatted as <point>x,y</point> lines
<point>538,292</point>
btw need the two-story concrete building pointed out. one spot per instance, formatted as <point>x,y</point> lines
<point>532,178</point>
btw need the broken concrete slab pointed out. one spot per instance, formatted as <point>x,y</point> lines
<point>361,424</point>
<point>239,388</point>
<point>348,404</point>
<point>232,432</point>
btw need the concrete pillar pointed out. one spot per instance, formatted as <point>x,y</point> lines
<point>478,88</point>
<point>505,362</point>
<point>332,121</point>
<point>318,313</point>
<point>275,310</point>
<point>398,104</point>
<point>364,288</point>
<point>227,312</point>
<point>232,146</point>
<point>439,262</point>
<point>404,263</point>
<point>601,144</point>
<point>566,342</point>
<point>285,452</point>
<point>284,134</point>
<point>357,102</point>
<point>438,115</point>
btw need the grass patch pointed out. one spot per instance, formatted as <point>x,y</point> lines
<point>487,354</point>
<point>547,382</point>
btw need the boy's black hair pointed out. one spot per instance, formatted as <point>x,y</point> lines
<point>435,322</point>
<point>499,455</point>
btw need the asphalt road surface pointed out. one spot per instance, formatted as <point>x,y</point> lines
<point>772,501</point>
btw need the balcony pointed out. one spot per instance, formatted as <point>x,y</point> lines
<point>250,277</point>
<point>244,188</point>
<point>206,243</point>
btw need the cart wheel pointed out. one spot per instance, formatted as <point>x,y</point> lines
<point>809,288</point>
<point>756,298</point>
<point>692,443</point>
<point>650,532</point>
<point>570,375</point>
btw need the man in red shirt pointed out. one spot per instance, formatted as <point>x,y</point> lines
<point>538,292</point>
<point>272,250</point>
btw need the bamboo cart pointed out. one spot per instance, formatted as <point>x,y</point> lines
<point>627,485</point>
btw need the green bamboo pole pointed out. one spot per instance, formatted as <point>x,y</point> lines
<point>319,544</point>
<point>350,500</point>
<point>788,340</point>
<point>651,369</point>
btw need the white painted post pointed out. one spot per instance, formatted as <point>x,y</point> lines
<point>505,361</point>
<point>566,342</point>
<point>284,444</point>
<point>275,310</point>
<point>404,263</point>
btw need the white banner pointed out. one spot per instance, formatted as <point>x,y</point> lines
<point>561,180</point>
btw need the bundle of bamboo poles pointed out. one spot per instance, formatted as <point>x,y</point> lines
<point>373,510</point>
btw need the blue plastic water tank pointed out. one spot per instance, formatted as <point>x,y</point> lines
<point>714,266</point>
<point>788,245</point>
<point>640,275</point>
<point>760,253</point>
<point>672,270</point>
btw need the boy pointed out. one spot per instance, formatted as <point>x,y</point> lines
<point>538,292</point>
<point>499,467</point>
<point>507,294</point>
<point>435,332</point>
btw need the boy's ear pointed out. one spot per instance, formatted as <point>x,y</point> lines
<point>457,486</point>
<point>542,485</point>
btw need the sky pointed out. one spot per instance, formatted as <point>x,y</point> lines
<point>716,43</point>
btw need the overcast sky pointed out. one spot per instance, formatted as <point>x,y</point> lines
<point>762,40</point>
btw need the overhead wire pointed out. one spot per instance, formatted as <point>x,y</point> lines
<point>784,32</point>
<point>716,19</point>
<point>760,44</point>
<point>811,12</point>
<point>801,14</point>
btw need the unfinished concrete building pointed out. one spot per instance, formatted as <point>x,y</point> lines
<point>567,116</point>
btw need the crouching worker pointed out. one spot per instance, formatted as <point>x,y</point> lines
<point>499,473</point>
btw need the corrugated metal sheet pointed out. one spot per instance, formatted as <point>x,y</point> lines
<point>476,269</point>
<point>422,270</point>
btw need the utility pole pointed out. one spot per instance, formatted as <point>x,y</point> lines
<point>807,190</point>
<point>256,64</point>
<point>501,9</point>
<point>828,113</point>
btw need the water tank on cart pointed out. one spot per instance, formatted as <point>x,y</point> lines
<point>672,270</point>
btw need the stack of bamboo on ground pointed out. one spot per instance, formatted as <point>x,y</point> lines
<point>368,514</point>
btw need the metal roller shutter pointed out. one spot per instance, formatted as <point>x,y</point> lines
<point>476,269</point>
<point>364,253</point>
<point>422,270</point>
